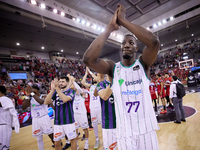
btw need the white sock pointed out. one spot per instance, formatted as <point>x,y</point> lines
<point>95,127</point>
<point>83,132</point>
<point>40,142</point>
<point>97,138</point>
<point>86,141</point>
<point>67,141</point>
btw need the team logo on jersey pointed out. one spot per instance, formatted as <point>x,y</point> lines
<point>129,92</point>
<point>121,81</point>
<point>133,82</point>
<point>36,131</point>
<point>136,68</point>
<point>111,100</point>
<point>59,103</point>
<point>33,105</point>
<point>57,134</point>
<point>112,146</point>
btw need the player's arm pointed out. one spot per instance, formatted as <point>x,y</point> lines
<point>162,86</point>
<point>150,41</point>
<point>50,95</point>
<point>51,104</point>
<point>91,56</point>
<point>105,93</point>
<point>96,92</point>
<point>62,96</point>
<point>70,82</point>
<point>92,74</point>
<point>29,90</point>
<point>83,82</point>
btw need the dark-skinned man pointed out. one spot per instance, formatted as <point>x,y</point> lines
<point>135,117</point>
<point>41,123</point>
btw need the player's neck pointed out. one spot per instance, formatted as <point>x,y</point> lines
<point>128,62</point>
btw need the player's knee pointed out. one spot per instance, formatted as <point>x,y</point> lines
<point>57,143</point>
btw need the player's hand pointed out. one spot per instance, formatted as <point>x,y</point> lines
<point>113,25</point>
<point>72,79</point>
<point>56,83</point>
<point>68,75</point>
<point>121,13</point>
<point>52,85</point>
<point>160,94</point>
<point>28,90</point>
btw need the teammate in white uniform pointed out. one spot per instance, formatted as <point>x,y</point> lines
<point>135,117</point>
<point>80,114</point>
<point>95,105</point>
<point>8,119</point>
<point>41,123</point>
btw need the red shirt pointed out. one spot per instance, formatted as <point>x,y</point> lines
<point>87,100</point>
<point>158,83</point>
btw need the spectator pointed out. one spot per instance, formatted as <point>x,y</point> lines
<point>177,102</point>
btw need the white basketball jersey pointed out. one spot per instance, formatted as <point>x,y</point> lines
<point>94,101</point>
<point>5,115</point>
<point>79,104</point>
<point>38,110</point>
<point>133,104</point>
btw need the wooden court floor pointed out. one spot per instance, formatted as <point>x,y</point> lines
<point>171,136</point>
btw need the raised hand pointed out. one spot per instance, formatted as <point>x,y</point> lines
<point>28,90</point>
<point>121,13</point>
<point>113,22</point>
<point>56,83</point>
<point>52,85</point>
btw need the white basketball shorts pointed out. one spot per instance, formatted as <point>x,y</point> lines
<point>41,126</point>
<point>109,139</point>
<point>81,121</point>
<point>5,136</point>
<point>139,142</point>
<point>61,130</point>
<point>95,114</point>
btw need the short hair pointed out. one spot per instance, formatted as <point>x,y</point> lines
<point>158,75</point>
<point>167,73</point>
<point>35,86</point>
<point>64,77</point>
<point>174,78</point>
<point>3,90</point>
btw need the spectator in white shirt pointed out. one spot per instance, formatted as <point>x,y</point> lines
<point>177,102</point>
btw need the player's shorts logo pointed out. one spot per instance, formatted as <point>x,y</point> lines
<point>57,134</point>
<point>94,118</point>
<point>36,131</point>
<point>112,146</point>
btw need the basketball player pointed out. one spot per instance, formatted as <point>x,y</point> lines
<point>108,113</point>
<point>161,92</point>
<point>135,117</point>
<point>95,106</point>
<point>80,115</point>
<point>41,123</point>
<point>64,123</point>
<point>8,119</point>
<point>152,89</point>
<point>168,81</point>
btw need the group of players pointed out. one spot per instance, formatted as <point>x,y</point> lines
<point>162,86</point>
<point>124,104</point>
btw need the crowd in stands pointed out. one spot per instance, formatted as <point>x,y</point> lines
<point>169,62</point>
